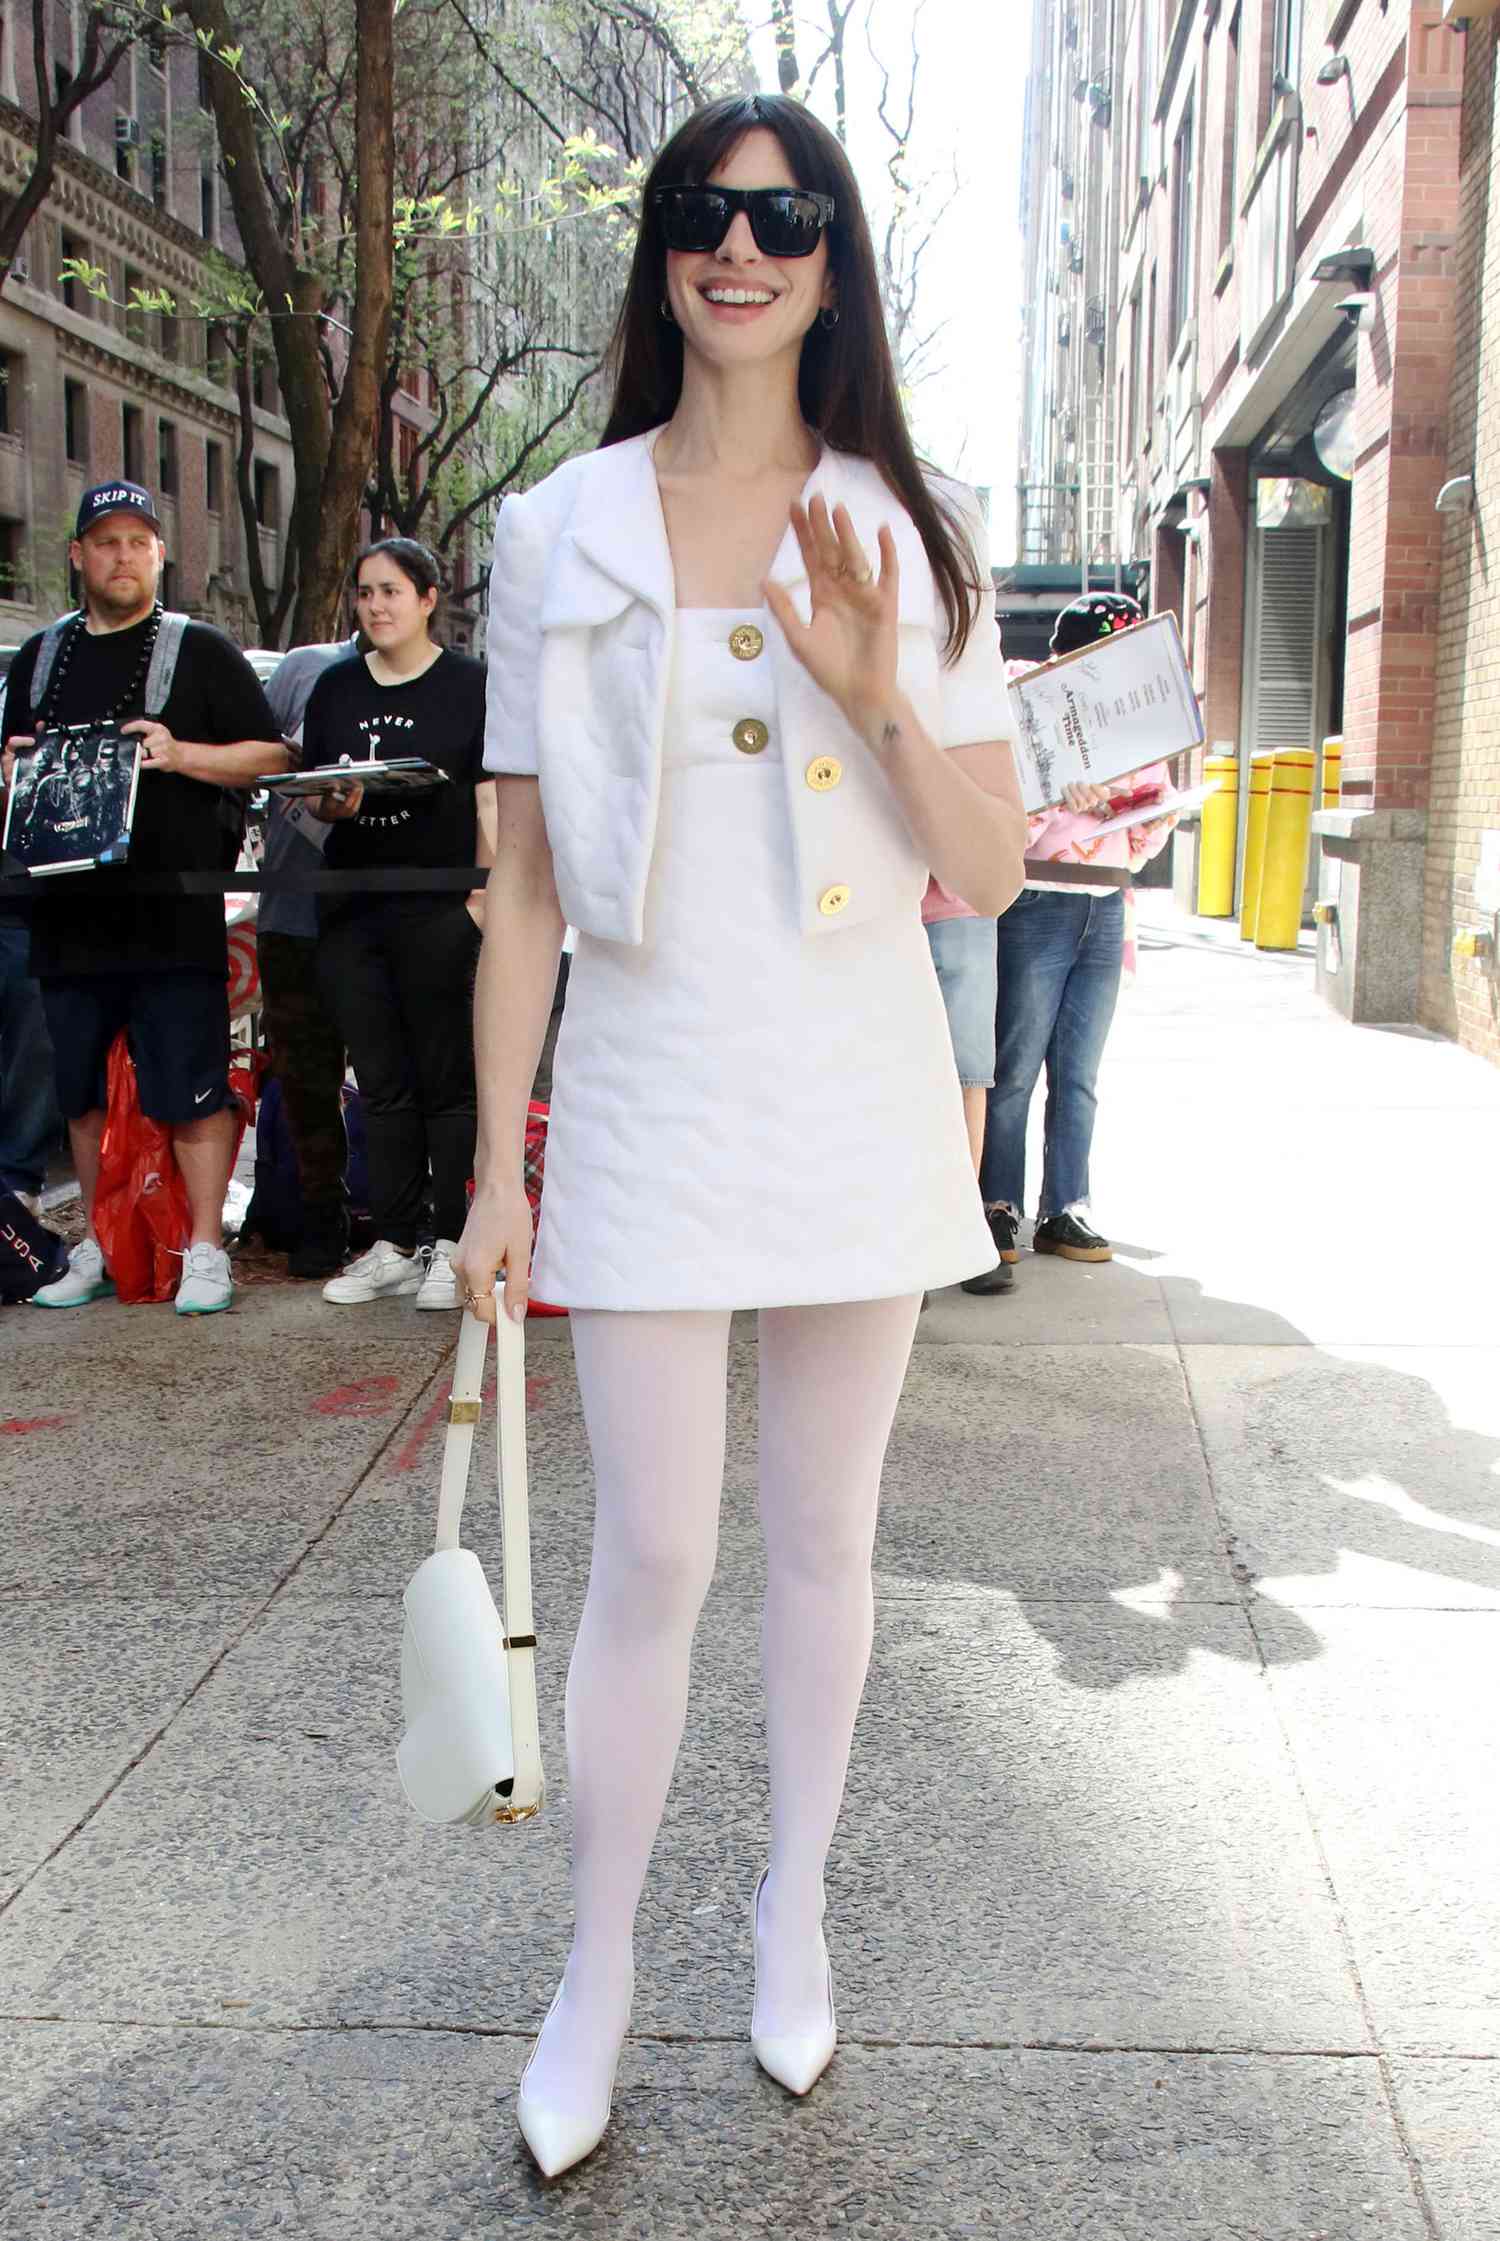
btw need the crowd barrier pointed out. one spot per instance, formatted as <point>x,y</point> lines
<point>121,880</point>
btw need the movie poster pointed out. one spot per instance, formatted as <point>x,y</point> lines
<point>72,799</point>
<point>1111,707</point>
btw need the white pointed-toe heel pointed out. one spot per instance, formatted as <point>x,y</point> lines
<point>559,2138</point>
<point>795,2059</point>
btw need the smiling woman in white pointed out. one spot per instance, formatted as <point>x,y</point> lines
<point>745,690</point>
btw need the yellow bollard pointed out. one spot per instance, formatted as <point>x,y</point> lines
<point>1283,876</point>
<point>1333,770</point>
<point>1217,837</point>
<point>1255,841</point>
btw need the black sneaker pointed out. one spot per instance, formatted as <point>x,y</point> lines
<point>1073,1239</point>
<point>1003,1226</point>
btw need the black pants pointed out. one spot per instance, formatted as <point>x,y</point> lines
<point>307,1053</point>
<point>398,977</point>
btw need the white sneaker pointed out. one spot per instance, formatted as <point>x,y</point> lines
<point>440,1285</point>
<point>207,1287</point>
<point>86,1279</point>
<point>383,1272</point>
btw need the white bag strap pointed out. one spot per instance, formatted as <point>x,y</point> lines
<point>515,1530</point>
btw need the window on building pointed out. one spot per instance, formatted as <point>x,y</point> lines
<point>1182,223</point>
<point>266,485</point>
<point>135,319</point>
<point>205,97</point>
<point>133,442</point>
<point>213,476</point>
<point>208,201</point>
<point>12,393</point>
<point>156,48</point>
<point>73,250</point>
<point>170,336</point>
<point>265,383</point>
<point>1229,182</point>
<point>166,458</point>
<point>127,131</point>
<point>75,423</point>
<point>159,169</point>
<point>13,583</point>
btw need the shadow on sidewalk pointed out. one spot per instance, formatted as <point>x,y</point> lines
<point>1316,1463</point>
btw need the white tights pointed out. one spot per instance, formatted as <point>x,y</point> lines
<point>653,1390</point>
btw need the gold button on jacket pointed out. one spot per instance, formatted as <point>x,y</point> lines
<point>746,642</point>
<point>833,900</point>
<point>824,773</point>
<point>750,735</point>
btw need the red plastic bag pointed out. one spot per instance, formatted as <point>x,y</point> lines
<point>141,1215</point>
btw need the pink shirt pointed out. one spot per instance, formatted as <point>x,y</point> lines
<point>1061,836</point>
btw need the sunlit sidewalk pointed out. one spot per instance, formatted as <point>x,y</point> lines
<point>1164,1902</point>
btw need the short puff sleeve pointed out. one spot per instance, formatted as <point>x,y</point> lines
<point>513,644</point>
<point>975,697</point>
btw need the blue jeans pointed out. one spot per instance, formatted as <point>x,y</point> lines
<point>28,1103</point>
<point>963,952</point>
<point>1059,958</point>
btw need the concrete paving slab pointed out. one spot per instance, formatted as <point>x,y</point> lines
<point>1061,1471</point>
<point>172,1473</point>
<point>1063,1824</point>
<point>1451,2112</point>
<point>380,2136</point>
<point>1055,1303</point>
<point>1396,1734</point>
<point>84,1685</point>
<point>1356,1475</point>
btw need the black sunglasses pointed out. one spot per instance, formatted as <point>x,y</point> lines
<point>785,221</point>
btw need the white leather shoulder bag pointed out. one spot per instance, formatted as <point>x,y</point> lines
<point>470,1753</point>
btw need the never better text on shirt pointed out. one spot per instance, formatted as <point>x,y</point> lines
<point>438,716</point>
<point>93,924</point>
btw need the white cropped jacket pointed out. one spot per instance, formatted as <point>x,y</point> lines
<point>581,617</point>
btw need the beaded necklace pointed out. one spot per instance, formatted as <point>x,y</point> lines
<point>137,682</point>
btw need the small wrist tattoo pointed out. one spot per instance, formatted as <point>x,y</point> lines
<point>890,735</point>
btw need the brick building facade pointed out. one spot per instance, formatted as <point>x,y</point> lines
<point>1461,996</point>
<point>91,389</point>
<point>1283,191</point>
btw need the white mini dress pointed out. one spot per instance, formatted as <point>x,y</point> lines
<point>744,1115</point>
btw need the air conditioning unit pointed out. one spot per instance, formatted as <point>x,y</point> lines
<point>20,268</point>
<point>127,132</point>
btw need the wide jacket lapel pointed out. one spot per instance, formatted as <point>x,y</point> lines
<point>841,479</point>
<point>613,549</point>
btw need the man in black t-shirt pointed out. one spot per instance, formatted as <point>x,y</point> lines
<point>152,964</point>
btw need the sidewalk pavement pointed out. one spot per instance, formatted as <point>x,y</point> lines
<point>1164,1904</point>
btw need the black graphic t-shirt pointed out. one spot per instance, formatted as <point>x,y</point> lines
<point>439,716</point>
<point>89,925</point>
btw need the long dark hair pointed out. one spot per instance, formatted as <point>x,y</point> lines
<point>847,384</point>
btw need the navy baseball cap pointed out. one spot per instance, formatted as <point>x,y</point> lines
<point>116,498</point>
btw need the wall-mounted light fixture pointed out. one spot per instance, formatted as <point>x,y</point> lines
<point>1336,67</point>
<point>1201,483</point>
<point>1456,496</point>
<point>1346,267</point>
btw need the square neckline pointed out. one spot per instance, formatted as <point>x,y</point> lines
<point>652,440</point>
